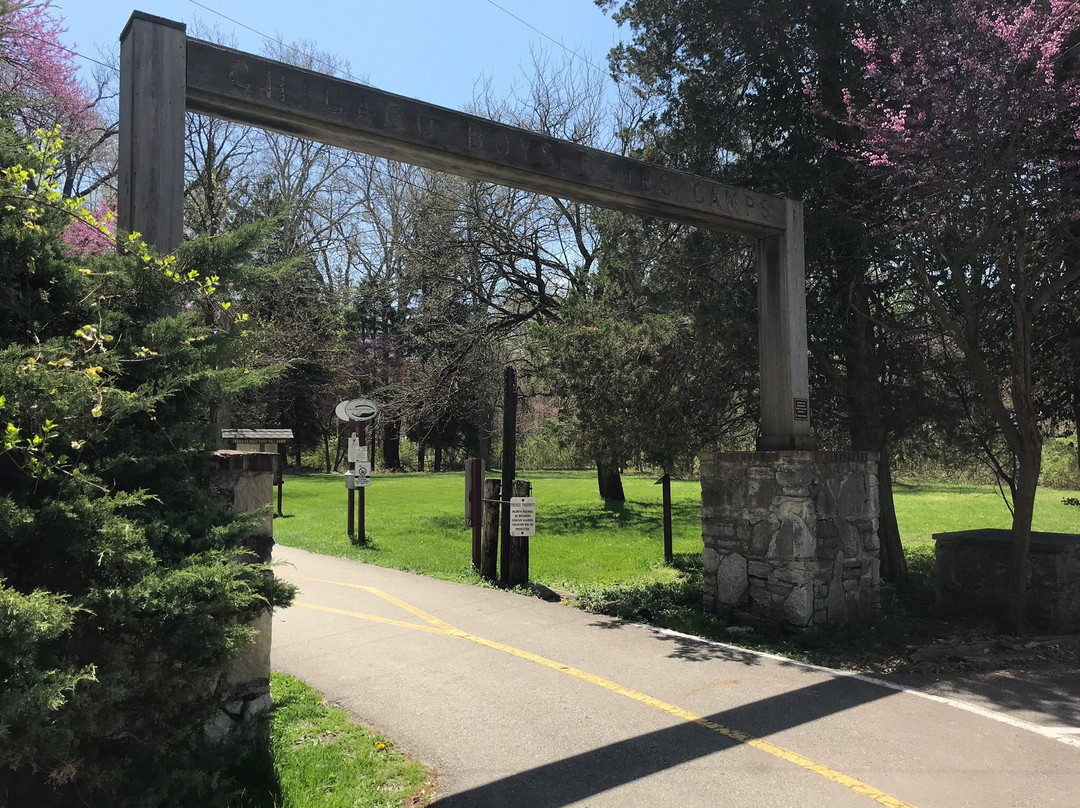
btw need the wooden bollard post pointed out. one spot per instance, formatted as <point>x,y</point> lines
<point>519,545</point>
<point>669,555</point>
<point>474,471</point>
<point>489,545</point>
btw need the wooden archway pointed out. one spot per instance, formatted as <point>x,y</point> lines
<point>164,73</point>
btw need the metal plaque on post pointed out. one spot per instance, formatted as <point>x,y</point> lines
<point>522,516</point>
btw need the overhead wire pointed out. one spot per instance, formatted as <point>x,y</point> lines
<point>547,37</point>
<point>54,44</point>
<point>501,8</point>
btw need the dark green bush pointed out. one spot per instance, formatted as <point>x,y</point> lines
<point>121,597</point>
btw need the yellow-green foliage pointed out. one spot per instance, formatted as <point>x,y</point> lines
<point>120,600</point>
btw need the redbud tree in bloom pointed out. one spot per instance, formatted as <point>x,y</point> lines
<point>39,71</point>
<point>40,84</point>
<point>970,122</point>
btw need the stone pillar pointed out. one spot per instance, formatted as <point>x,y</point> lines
<point>973,576</point>
<point>246,481</point>
<point>791,537</point>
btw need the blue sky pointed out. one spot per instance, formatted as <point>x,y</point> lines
<point>434,50</point>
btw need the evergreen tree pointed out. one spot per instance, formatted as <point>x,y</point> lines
<point>122,599</point>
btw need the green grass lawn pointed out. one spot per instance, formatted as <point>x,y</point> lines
<point>923,509</point>
<point>318,758</point>
<point>416,522</point>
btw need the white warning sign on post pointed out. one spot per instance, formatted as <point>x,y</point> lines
<point>522,516</point>
<point>363,474</point>
<point>354,448</point>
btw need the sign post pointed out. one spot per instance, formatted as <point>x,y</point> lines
<point>474,506</point>
<point>665,483</point>
<point>522,526</point>
<point>355,412</point>
<point>509,468</point>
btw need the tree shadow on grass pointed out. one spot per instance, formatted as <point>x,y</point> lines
<point>675,604</point>
<point>257,780</point>
<point>630,515</point>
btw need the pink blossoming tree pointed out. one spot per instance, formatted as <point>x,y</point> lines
<point>972,125</point>
<point>37,69</point>
<point>40,83</point>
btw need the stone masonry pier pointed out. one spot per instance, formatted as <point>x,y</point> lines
<point>972,576</point>
<point>791,537</point>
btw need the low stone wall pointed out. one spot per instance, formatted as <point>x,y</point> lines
<point>972,576</point>
<point>246,481</point>
<point>791,538</point>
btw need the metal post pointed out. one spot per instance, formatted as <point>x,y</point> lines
<point>361,497</point>
<point>361,516</point>
<point>665,484</point>
<point>352,514</point>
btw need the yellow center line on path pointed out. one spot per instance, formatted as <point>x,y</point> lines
<point>437,626</point>
<point>374,618</point>
<point>399,603</point>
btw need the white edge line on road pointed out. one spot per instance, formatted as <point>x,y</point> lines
<point>1060,734</point>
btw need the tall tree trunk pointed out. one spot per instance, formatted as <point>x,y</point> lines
<point>843,235</point>
<point>221,417</point>
<point>1027,482</point>
<point>866,424</point>
<point>438,457</point>
<point>391,447</point>
<point>272,397</point>
<point>893,561</point>
<point>421,456</point>
<point>1074,396</point>
<point>610,482</point>
<point>1027,441</point>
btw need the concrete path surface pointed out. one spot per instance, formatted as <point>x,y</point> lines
<point>518,702</point>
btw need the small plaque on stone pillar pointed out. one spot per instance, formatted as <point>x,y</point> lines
<point>802,409</point>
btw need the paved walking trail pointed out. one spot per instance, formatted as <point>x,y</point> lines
<point>518,702</point>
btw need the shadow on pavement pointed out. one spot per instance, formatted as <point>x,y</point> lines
<point>584,775</point>
<point>1047,698</point>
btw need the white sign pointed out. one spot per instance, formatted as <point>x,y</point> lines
<point>354,448</point>
<point>361,456</point>
<point>522,516</point>
<point>357,409</point>
<point>363,475</point>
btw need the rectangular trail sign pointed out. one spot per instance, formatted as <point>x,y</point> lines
<point>522,516</point>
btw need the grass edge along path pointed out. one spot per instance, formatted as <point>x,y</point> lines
<point>611,557</point>
<point>416,522</point>
<point>322,759</point>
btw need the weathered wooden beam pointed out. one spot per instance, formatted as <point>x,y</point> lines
<point>249,89</point>
<point>163,73</point>
<point>785,397</point>
<point>150,198</point>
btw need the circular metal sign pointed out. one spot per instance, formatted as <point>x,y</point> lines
<point>358,409</point>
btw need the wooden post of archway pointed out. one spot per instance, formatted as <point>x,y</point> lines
<point>163,72</point>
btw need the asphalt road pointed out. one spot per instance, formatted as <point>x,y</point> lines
<point>518,702</point>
